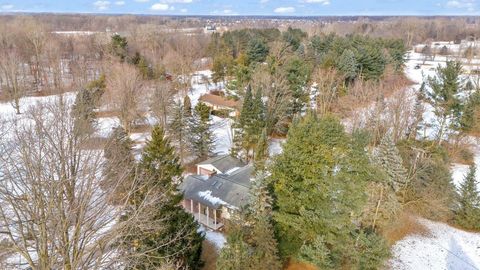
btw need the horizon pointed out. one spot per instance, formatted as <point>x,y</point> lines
<point>249,8</point>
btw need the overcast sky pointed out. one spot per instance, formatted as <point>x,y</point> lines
<point>249,7</point>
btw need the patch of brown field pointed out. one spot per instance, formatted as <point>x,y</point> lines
<point>294,265</point>
<point>405,225</point>
<point>102,114</point>
<point>209,255</point>
<point>459,153</point>
<point>42,93</point>
<point>363,93</point>
<point>276,135</point>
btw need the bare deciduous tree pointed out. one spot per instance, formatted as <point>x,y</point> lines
<point>161,101</point>
<point>12,79</point>
<point>124,94</point>
<point>52,209</point>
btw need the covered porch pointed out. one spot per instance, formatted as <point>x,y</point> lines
<point>203,214</point>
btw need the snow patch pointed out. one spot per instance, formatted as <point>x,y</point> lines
<point>207,195</point>
<point>216,238</point>
<point>446,248</point>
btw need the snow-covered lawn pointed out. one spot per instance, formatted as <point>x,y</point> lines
<point>446,248</point>
<point>216,238</point>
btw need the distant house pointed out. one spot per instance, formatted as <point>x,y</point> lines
<point>221,103</point>
<point>210,29</point>
<point>220,188</point>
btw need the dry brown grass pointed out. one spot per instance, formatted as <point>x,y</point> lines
<point>293,265</point>
<point>363,93</point>
<point>460,153</point>
<point>209,255</point>
<point>405,225</point>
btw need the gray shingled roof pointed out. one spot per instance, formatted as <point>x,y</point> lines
<point>223,163</point>
<point>231,190</point>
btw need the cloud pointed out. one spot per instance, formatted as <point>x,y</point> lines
<point>142,1</point>
<point>159,7</point>
<point>263,1</point>
<point>102,5</point>
<point>120,3</point>
<point>322,2</point>
<point>284,10</point>
<point>183,10</point>
<point>177,1</point>
<point>7,6</point>
<point>462,4</point>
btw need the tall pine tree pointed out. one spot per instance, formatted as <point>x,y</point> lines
<point>263,242</point>
<point>444,97</point>
<point>201,136</point>
<point>234,255</point>
<point>167,233</point>
<point>179,130</point>
<point>319,187</point>
<point>120,165</point>
<point>388,157</point>
<point>468,214</point>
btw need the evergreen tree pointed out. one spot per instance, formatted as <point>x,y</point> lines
<point>389,159</point>
<point>167,233</point>
<point>371,251</point>
<point>347,64</point>
<point>179,130</point>
<point>250,124</point>
<point>201,136</point>
<point>261,151</point>
<point>316,253</point>
<point>119,164</point>
<point>247,108</point>
<point>257,51</point>
<point>203,111</point>
<point>187,106</point>
<point>234,255</point>
<point>97,88</point>
<point>264,244</point>
<point>319,186</point>
<point>119,46</point>
<point>468,214</point>
<point>83,111</point>
<point>298,75</point>
<point>469,121</point>
<point>86,101</point>
<point>444,96</point>
<point>370,59</point>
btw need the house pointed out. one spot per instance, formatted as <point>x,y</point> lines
<point>209,29</point>
<point>221,103</point>
<point>220,188</point>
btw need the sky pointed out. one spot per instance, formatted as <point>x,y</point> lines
<point>248,7</point>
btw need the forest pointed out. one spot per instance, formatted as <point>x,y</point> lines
<point>355,131</point>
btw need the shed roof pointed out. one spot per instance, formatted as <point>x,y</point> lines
<point>220,101</point>
<point>223,163</point>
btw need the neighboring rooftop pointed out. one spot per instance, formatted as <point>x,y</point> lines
<point>230,190</point>
<point>220,101</point>
<point>223,163</point>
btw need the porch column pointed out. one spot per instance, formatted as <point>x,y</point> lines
<point>199,212</point>
<point>215,217</point>
<point>191,207</point>
<point>207,216</point>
